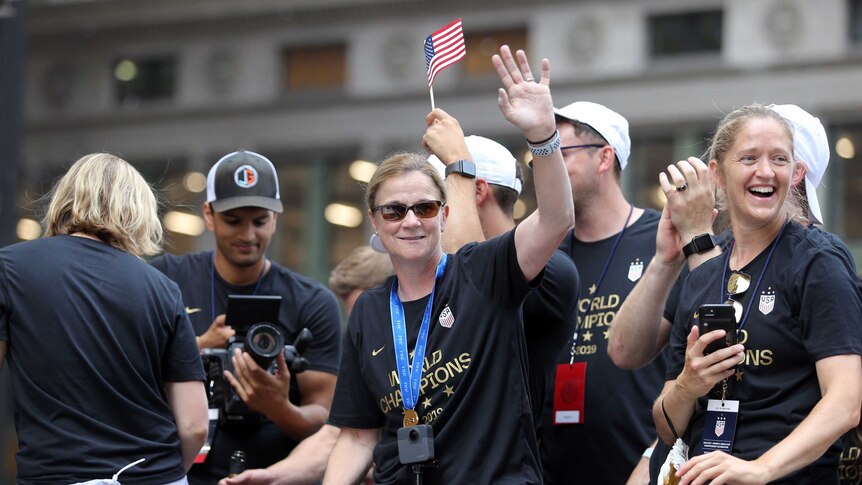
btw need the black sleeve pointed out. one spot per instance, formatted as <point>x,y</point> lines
<point>320,314</point>
<point>678,338</point>
<point>181,361</point>
<point>353,405</point>
<point>557,294</point>
<point>492,266</point>
<point>829,305</point>
<point>673,298</point>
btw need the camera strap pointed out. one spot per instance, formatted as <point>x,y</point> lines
<point>410,375</point>
<point>723,283</point>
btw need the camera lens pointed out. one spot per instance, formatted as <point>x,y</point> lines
<point>263,343</point>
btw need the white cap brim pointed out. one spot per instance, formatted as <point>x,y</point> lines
<point>814,214</point>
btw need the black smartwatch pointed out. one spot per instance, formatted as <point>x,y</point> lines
<point>465,168</point>
<point>699,244</point>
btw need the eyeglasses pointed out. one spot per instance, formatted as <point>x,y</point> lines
<point>572,147</point>
<point>396,212</point>
<point>587,145</point>
<point>737,285</point>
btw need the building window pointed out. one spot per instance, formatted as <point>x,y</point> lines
<point>140,80</point>
<point>482,45</point>
<point>314,67</point>
<point>682,34</point>
<point>846,183</point>
<point>855,9</point>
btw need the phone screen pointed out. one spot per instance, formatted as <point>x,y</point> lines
<point>718,317</point>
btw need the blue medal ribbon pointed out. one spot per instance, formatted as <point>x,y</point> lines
<point>410,375</point>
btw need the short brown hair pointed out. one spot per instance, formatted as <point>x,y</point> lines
<point>400,164</point>
<point>363,268</point>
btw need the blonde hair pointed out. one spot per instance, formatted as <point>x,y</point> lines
<point>363,268</point>
<point>724,138</point>
<point>104,196</point>
<point>401,164</point>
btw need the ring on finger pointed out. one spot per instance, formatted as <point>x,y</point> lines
<point>682,188</point>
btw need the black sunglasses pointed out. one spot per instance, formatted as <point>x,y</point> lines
<point>396,212</point>
<point>737,285</point>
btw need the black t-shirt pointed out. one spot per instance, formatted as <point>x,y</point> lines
<point>549,322</point>
<point>850,469</point>
<point>93,335</point>
<point>305,304</point>
<point>473,392</point>
<point>807,307</point>
<point>849,466</point>
<point>618,424</point>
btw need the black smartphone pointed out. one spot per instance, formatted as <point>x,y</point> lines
<point>718,317</point>
<point>244,311</point>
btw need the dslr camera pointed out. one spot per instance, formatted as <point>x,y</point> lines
<point>263,341</point>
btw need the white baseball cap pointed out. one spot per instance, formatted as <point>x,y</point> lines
<point>495,164</point>
<point>607,122</point>
<point>811,146</point>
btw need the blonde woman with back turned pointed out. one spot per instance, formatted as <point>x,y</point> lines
<point>106,378</point>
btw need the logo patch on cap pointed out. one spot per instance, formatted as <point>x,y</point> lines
<point>245,176</point>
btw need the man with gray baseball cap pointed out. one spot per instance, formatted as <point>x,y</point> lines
<point>241,210</point>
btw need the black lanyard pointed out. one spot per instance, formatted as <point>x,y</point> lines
<point>759,278</point>
<point>581,318</point>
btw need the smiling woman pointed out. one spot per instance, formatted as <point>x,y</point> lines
<point>770,407</point>
<point>468,375</point>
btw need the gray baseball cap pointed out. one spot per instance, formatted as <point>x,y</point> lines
<point>243,179</point>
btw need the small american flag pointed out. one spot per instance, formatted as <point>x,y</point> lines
<point>444,48</point>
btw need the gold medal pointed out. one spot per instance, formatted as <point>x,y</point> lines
<point>410,418</point>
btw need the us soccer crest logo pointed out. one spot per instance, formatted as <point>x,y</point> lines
<point>636,270</point>
<point>719,426</point>
<point>447,319</point>
<point>245,176</point>
<point>767,301</point>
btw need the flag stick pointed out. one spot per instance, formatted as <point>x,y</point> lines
<point>431,91</point>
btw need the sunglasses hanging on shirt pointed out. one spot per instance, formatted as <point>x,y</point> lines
<point>737,285</point>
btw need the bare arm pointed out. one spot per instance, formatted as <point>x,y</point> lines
<point>216,336</point>
<point>527,104</point>
<point>304,466</point>
<point>445,139</point>
<point>188,402</point>
<point>351,457</point>
<point>270,395</point>
<point>640,474</point>
<point>840,379</point>
<point>699,375</point>
<point>640,330</point>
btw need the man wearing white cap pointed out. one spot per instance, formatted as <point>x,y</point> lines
<point>483,183</point>
<point>599,423</point>
<point>241,210</point>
